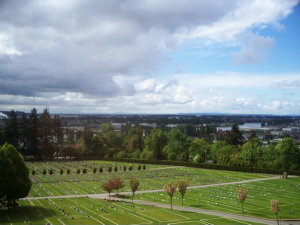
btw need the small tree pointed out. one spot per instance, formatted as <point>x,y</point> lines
<point>139,167</point>
<point>124,168</point>
<point>134,184</point>
<point>50,171</point>
<point>118,183</point>
<point>130,168</point>
<point>109,169</point>
<point>182,186</point>
<point>144,167</point>
<point>78,171</point>
<point>101,170</point>
<point>61,172</point>
<point>242,195</point>
<point>44,172</point>
<point>108,186</point>
<point>275,208</point>
<point>84,171</point>
<point>116,169</point>
<point>170,189</point>
<point>94,170</point>
<point>33,172</point>
<point>68,171</point>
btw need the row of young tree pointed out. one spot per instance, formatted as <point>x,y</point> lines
<point>35,135</point>
<point>229,149</point>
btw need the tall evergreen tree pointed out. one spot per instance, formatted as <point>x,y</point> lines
<point>46,134</point>
<point>235,136</point>
<point>11,130</point>
<point>58,134</point>
<point>24,134</point>
<point>33,139</point>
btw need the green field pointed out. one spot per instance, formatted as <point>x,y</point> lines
<point>85,210</point>
<point>152,178</point>
<point>224,198</point>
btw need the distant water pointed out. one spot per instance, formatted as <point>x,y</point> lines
<point>254,125</point>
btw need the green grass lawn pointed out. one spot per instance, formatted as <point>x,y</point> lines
<point>92,211</point>
<point>152,178</point>
<point>224,198</point>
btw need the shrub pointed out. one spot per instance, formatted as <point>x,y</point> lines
<point>116,169</point>
<point>33,172</point>
<point>44,172</point>
<point>124,168</point>
<point>144,167</point>
<point>68,171</point>
<point>61,172</point>
<point>109,169</point>
<point>50,171</point>
<point>94,170</point>
<point>78,171</point>
<point>130,168</point>
<point>139,167</point>
<point>101,169</point>
<point>84,170</point>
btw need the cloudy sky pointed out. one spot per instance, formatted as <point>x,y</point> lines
<point>146,56</point>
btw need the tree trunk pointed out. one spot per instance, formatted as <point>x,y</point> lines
<point>132,197</point>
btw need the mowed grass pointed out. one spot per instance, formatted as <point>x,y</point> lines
<point>85,210</point>
<point>152,178</point>
<point>224,198</point>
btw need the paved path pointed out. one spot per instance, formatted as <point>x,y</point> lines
<point>158,190</point>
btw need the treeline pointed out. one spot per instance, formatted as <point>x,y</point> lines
<point>38,136</point>
<point>230,149</point>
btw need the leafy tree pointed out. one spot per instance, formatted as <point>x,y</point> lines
<point>155,143</point>
<point>275,208</point>
<point>7,172</point>
<point>97,147</point>
<point>101,169</point>
<point>215,147</point>
<point>287,153</point>
<point>235,136</point>
<point>11,130</point>
<point>242,195</point>
<point>71,136</point>
<point>108,186</point>
<point>198,150</point>
<point>182,186</point>
<point>229,154</point>
<point>118,183</point>
<point>170,189</point>
<point>134,184</point>
<point>24,137</point>
<point>207,135</point>
<point>18,183</point>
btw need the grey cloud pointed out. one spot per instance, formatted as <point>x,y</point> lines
<point>286,84</point>
<point>254,48</point>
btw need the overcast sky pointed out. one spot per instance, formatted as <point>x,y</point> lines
<point>150,56</point>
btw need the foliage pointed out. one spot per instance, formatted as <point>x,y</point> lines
<point>130,168</point>
<point>197,151</point>
<point>108,186</point>
<point>134,184</point>
<point>116,169</point>
<point>44,172</point>
<point>275,208</point>
<point>14,173</point>
<point>235,136</point>
<point>182,186</point>
<point>33,172</point>
<point>144,167</point>
<point>61,171</point>
<point>94,170</point>
<point>242,195</point>
<point>109,169</point>
<point>139,167</point>
<point>78,171</point>
<point>84,171</point>
<point>118,183</point>
<point>50,172</point>
<point>170,189</point>
<point>100,169</point>
<point>124,168</point>
<point>68,171</point>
